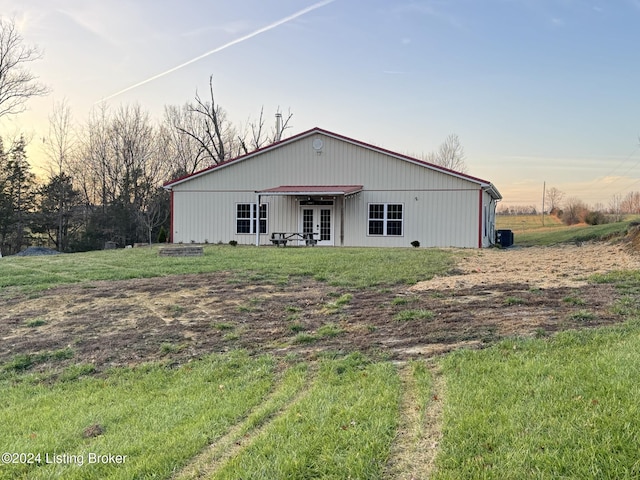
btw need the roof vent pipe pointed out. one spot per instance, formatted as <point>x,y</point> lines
<point>278,127</point>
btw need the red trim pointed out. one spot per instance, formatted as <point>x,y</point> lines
<point>480,220</point>
<point>317,130</point>
<point>171,218</point>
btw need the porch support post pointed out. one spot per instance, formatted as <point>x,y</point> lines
<point>342,220</point>
<point>257,219</point>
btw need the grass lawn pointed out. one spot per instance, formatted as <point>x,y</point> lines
<point>564,406</point>
<point>155,417</point>
<point>355,267</point>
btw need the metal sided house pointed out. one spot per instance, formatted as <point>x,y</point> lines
<point>341,191</point>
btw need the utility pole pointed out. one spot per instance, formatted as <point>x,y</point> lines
<point>544,194</point>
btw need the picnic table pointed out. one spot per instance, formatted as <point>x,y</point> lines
<point>281,238</point>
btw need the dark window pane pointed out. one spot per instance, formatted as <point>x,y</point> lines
<point>394,227</point>
<point>376,211</point>
<point>243,226</point>
<point>394,212</point>
<point>244,210</point>
<point>376,227</point>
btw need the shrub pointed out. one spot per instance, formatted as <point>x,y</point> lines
<point>415,244</point>
<point>574,212</point>
<point>233,243</point>
<point>162,236</point>
<point>595,218</point>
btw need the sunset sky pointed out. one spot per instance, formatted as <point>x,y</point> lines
<point>537,90</point>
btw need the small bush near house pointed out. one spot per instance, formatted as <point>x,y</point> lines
<point>162,236</point>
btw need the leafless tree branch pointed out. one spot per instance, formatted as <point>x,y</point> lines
<point>17,84</point>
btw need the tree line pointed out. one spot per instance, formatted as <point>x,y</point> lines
<point>104,177</point>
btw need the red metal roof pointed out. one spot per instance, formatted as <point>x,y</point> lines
<point>313,190</point>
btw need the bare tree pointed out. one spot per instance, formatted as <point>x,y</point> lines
<point>58,148</point>
<point>615,207</point>
<point>209,138</point>
<point>450,155</point>
<point>211,130</point>
<point>631,203</point>
<point>92,164</point>
<point>185,151</point>
<point>123,165</point>
<point>575,211</point>
<point>17,83</point>
<point>154,212</point>
<point>553,197</point>
<point>259,135</point>
<point>59,143</point>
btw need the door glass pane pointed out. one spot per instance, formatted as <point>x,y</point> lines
<point>307,220</point>
<point>325,224</point>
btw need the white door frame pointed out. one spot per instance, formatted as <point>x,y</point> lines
<point>319,228</point>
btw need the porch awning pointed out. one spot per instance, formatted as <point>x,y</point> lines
<point>313,190</point>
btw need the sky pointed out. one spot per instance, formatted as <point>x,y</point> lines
<point>537,90</point>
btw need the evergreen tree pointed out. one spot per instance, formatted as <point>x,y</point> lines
<point>17,201</point>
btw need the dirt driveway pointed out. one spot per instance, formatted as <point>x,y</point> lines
<point>490,294</point>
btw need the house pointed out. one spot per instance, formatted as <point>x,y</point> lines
<point>343,191</point>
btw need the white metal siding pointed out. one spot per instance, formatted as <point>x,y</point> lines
<point>439,209</point>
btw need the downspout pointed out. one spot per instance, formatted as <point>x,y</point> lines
<point>171,222</point>
<point>480,223</point>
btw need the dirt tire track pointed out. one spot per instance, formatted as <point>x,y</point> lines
<point>213,457</point>
<point>414,450</point>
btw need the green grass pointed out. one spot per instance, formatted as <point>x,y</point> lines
<point>36,322</point>
<point>528,230</point>
<point>157,416</point>
<point>22,361</point>
<point>404,300</point>
<point>560,408</point>
<point>353,267</point>
<point>338,304</point>
<point>513,301</point>
<point>413,314</point>
<point>342,428</point>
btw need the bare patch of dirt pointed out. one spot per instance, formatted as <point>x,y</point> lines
<point>491,295</point>
<point>566,265</point>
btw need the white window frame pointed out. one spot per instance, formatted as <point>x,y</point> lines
<point>252,219</point>
<point>385,220</point>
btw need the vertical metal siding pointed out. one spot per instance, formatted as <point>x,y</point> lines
<point>440,209</point>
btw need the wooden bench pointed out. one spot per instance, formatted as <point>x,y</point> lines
<point>281,238</point>
<point>182,251</point>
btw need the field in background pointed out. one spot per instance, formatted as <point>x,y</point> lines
<point>525,223</point>
<point>529,231</point>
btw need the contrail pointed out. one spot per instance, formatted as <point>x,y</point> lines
<point>271,26</point>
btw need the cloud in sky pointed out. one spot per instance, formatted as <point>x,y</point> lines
<point>244,38</point>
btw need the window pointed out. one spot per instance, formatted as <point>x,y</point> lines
<point>385,219</point>
<point>246,218</point>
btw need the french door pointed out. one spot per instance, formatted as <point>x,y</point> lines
<point>318,219</point>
